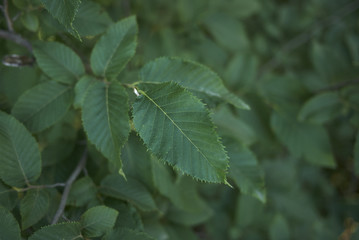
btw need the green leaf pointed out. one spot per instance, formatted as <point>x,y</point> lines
<point>192,75</point>
<point>59,61</point>
<point>9,227</point>
<point>177,128</point>
<point>115,48</point>
<point>43,105</point>
<point>232,126</point>
<point>227,31</point>
<point>19,154</point>
<point>129,215</point>
<point>81,88</point>
<point>63,231</point>
<point>279,229</point>
<point>33,207</point>
<point>30,21</point>
<point>304,140</point>
<point>105,119</point>
<point>64,11</point>
<point>129,190</point>
<point>82,192</point>
<point>91,19</point>
<point>246,172</point>
<point>127,234</point>
<point>97,221</point>
<point>8,196</point>
<point>189,208</point>
<point>320,108</point>
<point>137,160</point>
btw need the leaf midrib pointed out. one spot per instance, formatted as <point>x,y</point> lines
<point>159,107</point>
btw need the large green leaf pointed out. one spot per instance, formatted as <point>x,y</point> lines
<point>91,19</point>
<point>64,10</point>
<point>97,221</point>
<point>59,61</point>
<point>43,105</point>
<point>19,154</point>
<point>304,140</point>
<point>33,207</point>
<point>130,190</point>
<point>115,48</point>
<point>320,108</point>
<point>63,231</point>
<point>127,234</point>
<point>192,75</point>
<point>177,128</point>
<point>246,172</point>
<point>9,227</point>
<point>105,118</point>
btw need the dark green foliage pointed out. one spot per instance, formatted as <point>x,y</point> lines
<point>124,119</point>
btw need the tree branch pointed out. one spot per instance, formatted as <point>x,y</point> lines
<point>7,17</point>
<point>16,38</point>
<point>80,166</point>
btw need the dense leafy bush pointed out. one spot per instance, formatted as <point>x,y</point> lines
<point>101,137</point>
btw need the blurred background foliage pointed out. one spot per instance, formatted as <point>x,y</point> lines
<point>296,63</point>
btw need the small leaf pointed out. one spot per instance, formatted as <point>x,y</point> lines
<point>43,105</point>
<point>320,108</point>
<point>82,192</point>
<point>115,48</point>
<point>97,221</point>
<point>63,231</point>
<point>30,21</point>
<point>232,126</point>
<point>33,207</point>
<point>192,75</point>
<point>81,88</point>
<point>189,208</point>
<point>304,140</point>
<point>8,196</point>
<point>91,19</point>
<point>19,154</point>
<point>64,11</point>
<point>59,61</point>
<point>9,227</point>
<point>177,128</point>
<point>279,229</point>
<point>246,172</point>
<point>131,190</point>
<point>105,119</point>
<point>127,234</point>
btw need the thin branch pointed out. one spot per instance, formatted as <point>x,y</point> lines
<point>306,36</point>
<point>16,38</point>
<point>7,16</point>
<point>41,186</point>
<point>338,86</point>
<point>80,166</point>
